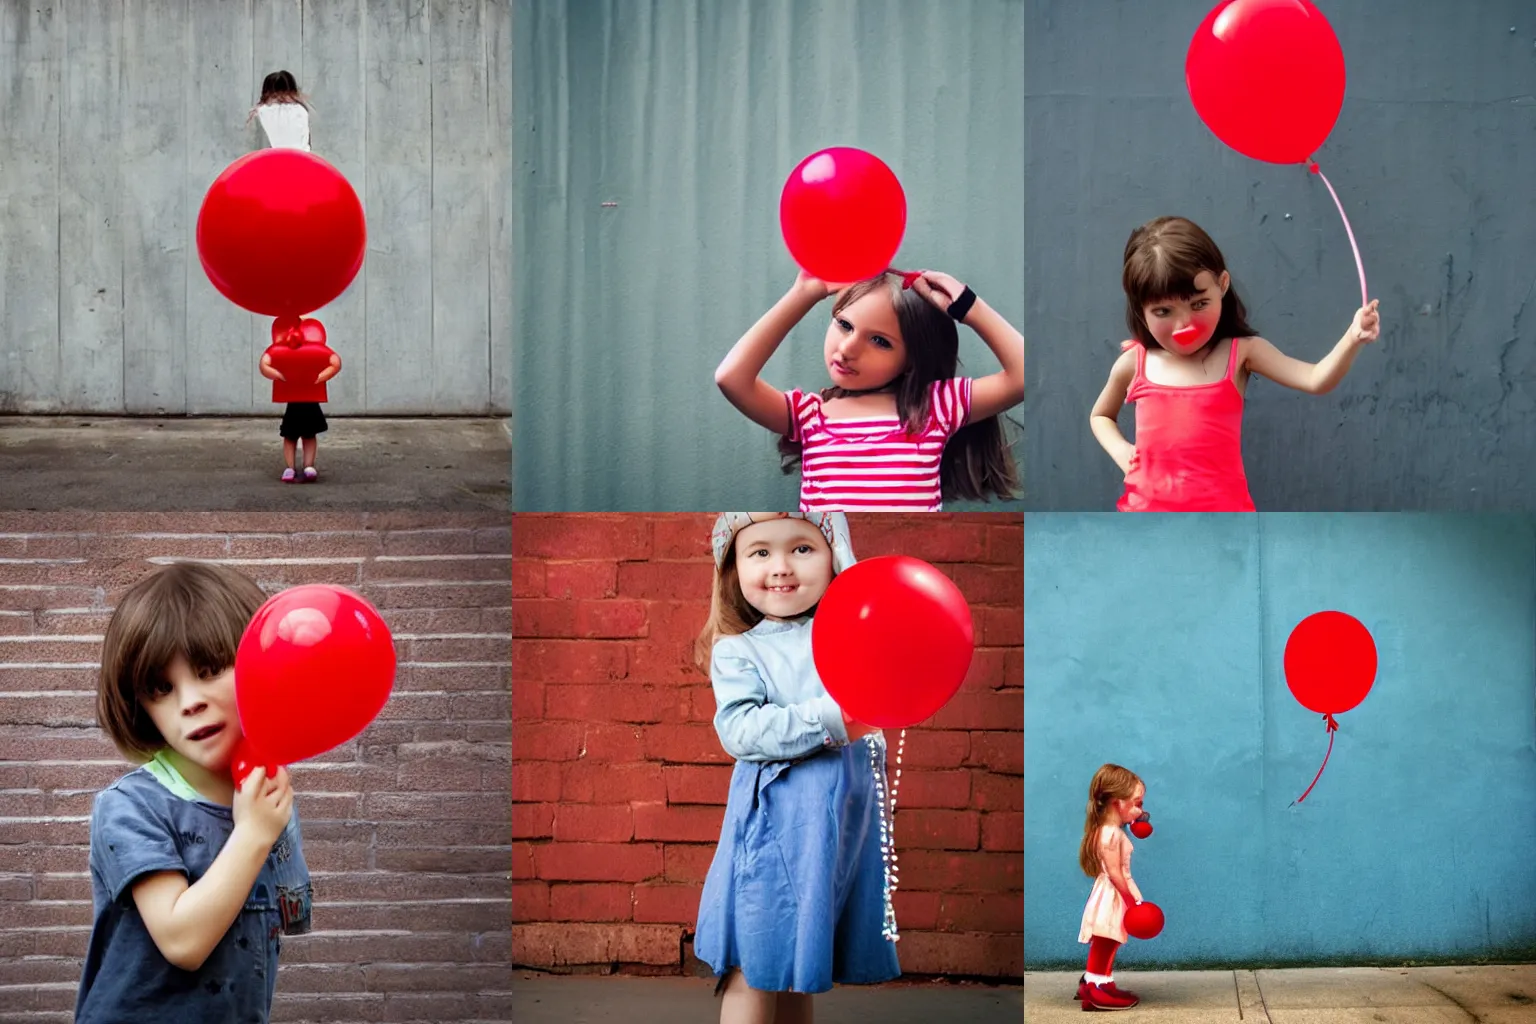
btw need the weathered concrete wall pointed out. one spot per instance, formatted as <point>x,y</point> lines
<point>118,115</point>
<point>1433,157</point>
<point>653,139</point>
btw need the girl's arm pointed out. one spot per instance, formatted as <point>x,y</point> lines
<point>330,371</point>
<point>1266,360</point>
<point>996,392</point>
<point>753,729</point>
<point>737,376</point>
<point>1102,419</point>
<point>268,370</point>
<point>186,921</point>
<point>1112,854</point>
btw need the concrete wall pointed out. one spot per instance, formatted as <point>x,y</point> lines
<point>685,117</point>
<point>1432,157</point>
<point>405,827</point>
<point>619,783</point>
<point>1157,642</point>
<point>118,115</point>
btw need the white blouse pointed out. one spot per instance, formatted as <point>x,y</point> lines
<point>286,125</point>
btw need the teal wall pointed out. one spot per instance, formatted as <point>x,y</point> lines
<point>1156,642</point>
<point>689,115</point>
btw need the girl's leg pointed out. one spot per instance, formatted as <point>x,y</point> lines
<point>742,1004</point>
<point>793,1008</point>
<point>1101,956</point>
<point>311,449</point>
<point>288,451</point>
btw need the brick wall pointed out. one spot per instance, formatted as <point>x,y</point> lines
<point>619,782</point>
<point>405,828</point>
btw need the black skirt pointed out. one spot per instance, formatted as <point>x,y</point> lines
<point>302,419</point>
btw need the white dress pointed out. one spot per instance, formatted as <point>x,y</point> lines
<point>286,125</point>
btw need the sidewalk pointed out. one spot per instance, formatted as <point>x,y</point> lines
<point>233,464</point>
<point>620,999</point>
<point>1324,995</point>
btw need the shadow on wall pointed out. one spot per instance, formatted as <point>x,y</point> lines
<point>1414,844</point>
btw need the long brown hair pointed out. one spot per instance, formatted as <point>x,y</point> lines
<point>1110,782</point>
<point>192,609</point>
<point>977,463</point>
<point>1162,259</point>
<point>729,612</point>
<point>281,87</point>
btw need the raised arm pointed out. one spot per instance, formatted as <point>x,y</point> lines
<point>1102,420</point>
<point>996,392</point>
<point>737,376</point>
<point>1266,360</point>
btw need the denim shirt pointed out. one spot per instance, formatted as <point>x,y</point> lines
<point>151,820</point>
<point>769,701</point>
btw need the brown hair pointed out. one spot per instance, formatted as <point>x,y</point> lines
<point>281,87</point>
<point>1162,259</point>
<point>191,609</point>
<point>976,463</point>
<point>1110,782</point>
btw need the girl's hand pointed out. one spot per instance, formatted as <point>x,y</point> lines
<point>278,374</point>
<point>938,288</point>
<point>812,288</point>
<point>1367,325</point>
<point>263,806</point>
<point>1127,461</point>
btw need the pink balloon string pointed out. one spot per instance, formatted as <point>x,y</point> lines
<point>1333,727</point>
<point>1359,266</point>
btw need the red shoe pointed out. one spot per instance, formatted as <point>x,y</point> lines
<point>1099,997</point>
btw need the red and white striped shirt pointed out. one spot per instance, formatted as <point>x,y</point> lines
<point>873,464</point>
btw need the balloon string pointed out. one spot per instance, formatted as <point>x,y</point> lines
<point>1333,727</point>
<point>1359,266</point>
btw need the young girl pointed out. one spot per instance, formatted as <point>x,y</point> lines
<point>1114,801</point>
<point>283,112</point>
<point>193,881</point>
<point>1187,368</point>
<point>303,421</point>
<point>897,431</point>
<point>795,898</point>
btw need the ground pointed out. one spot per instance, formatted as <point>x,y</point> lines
<point>188,464</point>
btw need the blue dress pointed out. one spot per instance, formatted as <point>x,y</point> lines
<point>795,894</point>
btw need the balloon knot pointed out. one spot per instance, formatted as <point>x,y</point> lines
<point>909,277</point>
<point>1332,723</point>
<point>1312,166</point>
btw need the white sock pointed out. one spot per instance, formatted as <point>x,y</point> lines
<point>1097,979</point>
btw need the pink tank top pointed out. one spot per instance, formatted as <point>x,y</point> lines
<point>1189,445</point>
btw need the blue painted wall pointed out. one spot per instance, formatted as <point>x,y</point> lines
<point>1157,642</point>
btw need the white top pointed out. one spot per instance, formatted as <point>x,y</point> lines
<point>286,125</point>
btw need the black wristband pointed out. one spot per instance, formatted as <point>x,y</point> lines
<point>963,304</point>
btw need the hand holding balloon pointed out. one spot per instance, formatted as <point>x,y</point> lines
<point>1144,920</point>
<point>263,805</point>
<point>1366,327</point>
<point>246,760</point>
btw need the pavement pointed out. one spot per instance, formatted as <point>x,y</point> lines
<point>1504,994</point>
<point>131,464</point>
<point>1319,995</point>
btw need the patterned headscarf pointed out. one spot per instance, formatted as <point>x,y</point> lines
<point>833,526</point>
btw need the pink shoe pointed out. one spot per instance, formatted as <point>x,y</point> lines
<point>288,476</point>
<point>311,474</point>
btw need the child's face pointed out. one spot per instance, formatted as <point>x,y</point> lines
<point>864,349</point>
<point>1183,326</point>
<point>1130,809</point>
<point>784,566</point>
<point>197,717</point>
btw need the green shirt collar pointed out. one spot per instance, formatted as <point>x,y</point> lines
<point>165,773</point>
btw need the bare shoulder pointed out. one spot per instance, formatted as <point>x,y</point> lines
<point>1125,365</point>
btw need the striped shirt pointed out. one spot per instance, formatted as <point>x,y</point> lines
<point>872,464</point>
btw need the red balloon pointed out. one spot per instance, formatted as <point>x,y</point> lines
<point>245,760</point>
<point>892,640</point>
<point>1330,662</point>
<point>843,214</point>
<point>1141,829</point>
<point>313,331</point>
<point>286,331</point>
<point>313,668</point>
<point>300,364</point>
<point>281,232</point>
<point>1144,920</point>
<point>1267,76</point>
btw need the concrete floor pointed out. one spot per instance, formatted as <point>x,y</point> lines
<point>218,464</point>
<point>592,999</point>
<point>1355,995</point>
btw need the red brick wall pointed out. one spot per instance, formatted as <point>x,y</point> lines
<point>405,828</point>
<point>619,782</point>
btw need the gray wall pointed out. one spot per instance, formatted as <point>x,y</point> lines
<point>1433,157</point>
<point>118,114</point>
<point>688,115</point>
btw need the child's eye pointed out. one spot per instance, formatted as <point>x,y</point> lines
<point>757,551</point>
<point>882,343</point>
<point>1200,303</point>
<point>843,325</point>
<point>159,689</point>
<point>1160,311</point>
<point>803,549</point>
